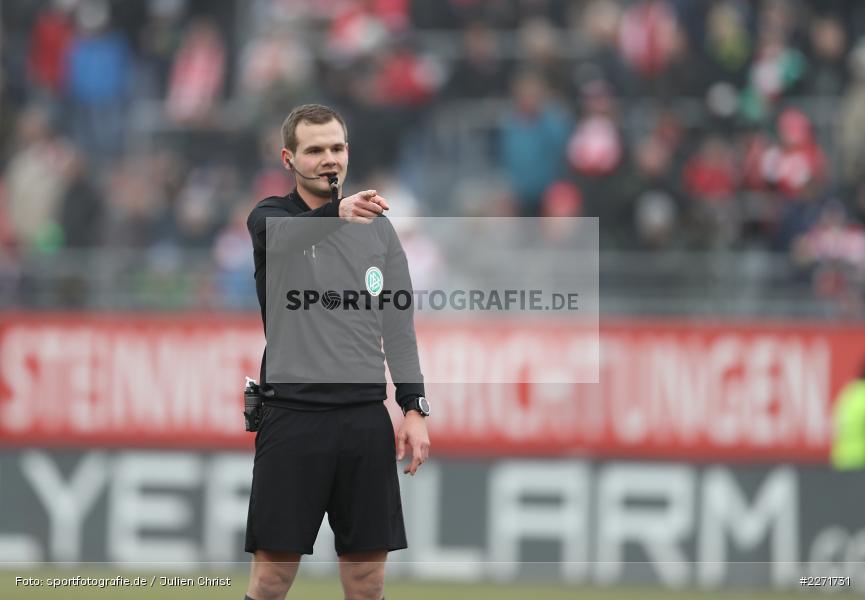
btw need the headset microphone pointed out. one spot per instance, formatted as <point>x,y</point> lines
<point>332,180</point>
<point>293,168</point>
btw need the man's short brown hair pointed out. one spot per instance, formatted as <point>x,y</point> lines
<point>317,114</point>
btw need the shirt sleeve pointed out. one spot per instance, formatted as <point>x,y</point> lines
<point>398,335</point>
<point>291,231</point>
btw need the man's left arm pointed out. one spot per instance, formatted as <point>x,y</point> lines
<point>400,348</point>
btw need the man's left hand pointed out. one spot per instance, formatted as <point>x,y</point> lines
<point>413,432</point>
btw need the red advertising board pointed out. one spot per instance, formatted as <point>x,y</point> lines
<point>688,390</point>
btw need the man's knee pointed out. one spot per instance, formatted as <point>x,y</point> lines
<point>363,576</point>
<point>272,574</point>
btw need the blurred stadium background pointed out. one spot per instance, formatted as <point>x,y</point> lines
<point>720,142</point>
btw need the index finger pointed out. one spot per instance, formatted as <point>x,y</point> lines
<point>371,207</point>
<point>368,194</point>
<point>381,202</point>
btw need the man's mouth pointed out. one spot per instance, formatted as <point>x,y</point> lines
<point>328,174</point>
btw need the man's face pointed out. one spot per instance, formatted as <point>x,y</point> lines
<point>321,151</point>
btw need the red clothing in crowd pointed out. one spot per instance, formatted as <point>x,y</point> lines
<point>46,62</point>
<point>793,170</point>
<point>197,75</point>
<point>710,178</point>
<point>405,80</point>
<point>595,148</point>
<point>645,37</point>
<point>791,166</point>
<point>843,243</point>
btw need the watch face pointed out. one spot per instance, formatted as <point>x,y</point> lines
<point>423,405</point>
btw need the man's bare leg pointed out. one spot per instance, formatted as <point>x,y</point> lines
<point>271,574</point>
<point>362,575</point>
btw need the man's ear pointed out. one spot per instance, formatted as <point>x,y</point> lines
<point>287,157</point>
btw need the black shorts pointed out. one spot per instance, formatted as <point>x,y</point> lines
<point>340,461</point>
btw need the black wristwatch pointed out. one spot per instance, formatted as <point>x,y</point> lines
<point>418,403</point>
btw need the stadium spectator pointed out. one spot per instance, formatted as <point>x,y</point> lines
<point>35,181</point>
<point>777,68</point>
<point>755,143</point>
<point>711,179</point>
<point>371,116</point>
<point>644,212</point>
<point>82,209</point>
<point>479,71</point>
<point>356,32</point>
<point>645,36</point>
<point>728,44</point>
<point>794,169</point>
<point>197,74</point>
<point>50,40</point>
<point>158,42</point>
<point>798,166</point>
<point>827,73</point>
<point>670,130</point>
<point>136,204</point>
<point>561,201</point>
<point>597,26</point>
<point>100,65</point>
<point>833,252</point>
<point>276,68</point>
<point>533,138</point>
<point>684,73</point>
<point>196,217</point>
<point>851,121</point>
<point>595,148</point>
<point>541,49</point>
<point>269,179</point>
<point>232,259</point>
<point>596,151</point>
<point>403,79</point>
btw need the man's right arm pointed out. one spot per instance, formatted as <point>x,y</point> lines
<point>291,231</point>
<point>295,231</point>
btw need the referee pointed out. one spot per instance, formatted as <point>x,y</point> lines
<point>327,447</point>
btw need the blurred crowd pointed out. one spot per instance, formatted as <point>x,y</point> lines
<point>153,125</point>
